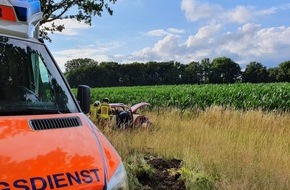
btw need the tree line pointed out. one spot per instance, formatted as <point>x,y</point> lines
<point>221,70</point>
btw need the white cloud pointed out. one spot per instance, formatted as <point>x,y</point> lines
<point>204,36</point>
<point>253,40</point>
<point>62,57</point>
<point>240,14</point>
<point>72,27</point>
<point>161,32</point>
<point>104,47</point>
<point>218,37</point>
<point>195,10</point>
<point>240,42</point>
<point>158,32</point>
<point>176,31</point>
<point>93,52</point>
<point>250,42</point>
<point>167,46</point>
<point>269,11</point>
<point>99,52</point>
<point>164,50</point>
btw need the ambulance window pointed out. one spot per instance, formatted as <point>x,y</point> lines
<point>30,81</point>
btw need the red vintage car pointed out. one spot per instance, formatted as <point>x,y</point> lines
<point>125,116</point>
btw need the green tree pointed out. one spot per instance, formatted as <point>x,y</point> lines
<point>170,72</point>
<point>255,73</point>
<point>111,73</point>
<point>92,75</point>
<point>76,63</point>
<point>133,74</point>
<point>205,70</point>
<point>76,77</point>
<point>162,72</point>
<point>192,73</point>
<point>81,10</point>
<point>224,70</point>
<point>153,75</point>
<point>284,72</point>
<point>273,74</point>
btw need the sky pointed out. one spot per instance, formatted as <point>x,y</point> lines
<point>182,31</point>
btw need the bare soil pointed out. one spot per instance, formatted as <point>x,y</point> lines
<point>165,176</point>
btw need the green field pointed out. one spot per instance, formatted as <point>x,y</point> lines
<point>267,97</point>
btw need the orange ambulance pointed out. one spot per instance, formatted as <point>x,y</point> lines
<point>46,140</point>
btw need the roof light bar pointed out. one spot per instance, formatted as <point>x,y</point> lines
<point>20,17</point>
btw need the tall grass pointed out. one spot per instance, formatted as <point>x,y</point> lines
<point>239,150</point>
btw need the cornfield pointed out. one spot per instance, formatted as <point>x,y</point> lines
<point>266,97</point>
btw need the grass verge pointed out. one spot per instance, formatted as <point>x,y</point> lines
<point>219,148</point>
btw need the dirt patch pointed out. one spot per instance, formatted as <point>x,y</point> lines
<point>165,175</point>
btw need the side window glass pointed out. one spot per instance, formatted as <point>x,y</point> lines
<point>41,78</point>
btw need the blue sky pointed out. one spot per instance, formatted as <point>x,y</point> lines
<point>180,30</point>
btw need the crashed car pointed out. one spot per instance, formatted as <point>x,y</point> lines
<point>124,116</point>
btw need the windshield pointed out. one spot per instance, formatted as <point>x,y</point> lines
<point>29,81</point>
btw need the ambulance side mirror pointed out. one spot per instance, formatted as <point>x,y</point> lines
<point>84,98</point>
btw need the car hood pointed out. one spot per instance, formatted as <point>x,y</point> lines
<point>138,106</point>
<point>51,152</point>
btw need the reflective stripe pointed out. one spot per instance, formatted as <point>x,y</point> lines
<point>94,112</point>
<point>105,111</point>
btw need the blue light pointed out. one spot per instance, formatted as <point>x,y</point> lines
<point>25,8</point>
<point>21,13</point>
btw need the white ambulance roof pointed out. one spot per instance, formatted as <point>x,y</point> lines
<point>20,18</point>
